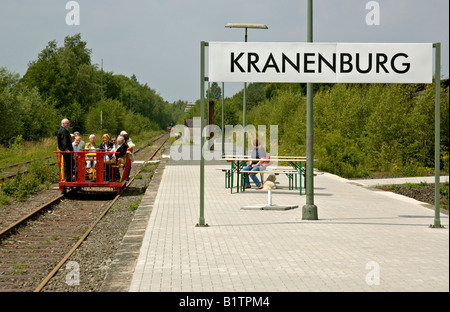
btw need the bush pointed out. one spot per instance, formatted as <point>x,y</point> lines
<point>116,118</point>
<point>22,111</point>
<point>361,129</point>
<point>21,186</point>
<point>39,176</point>
<point>3,199</point>
<point>340,156</point>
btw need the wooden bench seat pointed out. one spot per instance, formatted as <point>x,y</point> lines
<point>295,181</point>
<point>290,173</point>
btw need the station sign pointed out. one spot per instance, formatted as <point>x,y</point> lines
<point>320,62</point>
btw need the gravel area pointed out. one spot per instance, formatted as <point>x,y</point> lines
<point>86,268</point>
<point>94,256</point>
<point>423,193</point>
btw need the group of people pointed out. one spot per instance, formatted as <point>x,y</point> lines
<point>116,146</point>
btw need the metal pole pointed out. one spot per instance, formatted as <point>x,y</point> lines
<point>201,221</point>
<point>244,104</point>
<point>437,136</point>
<point>244,111</point>
<point>244,119</point>
<point>223,125</point>
<point>309,211</point>
<point>101,99</point>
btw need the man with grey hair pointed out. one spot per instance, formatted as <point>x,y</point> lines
<point>121,150</point>
<point>65,145</point>
<point>82,144</point>
<point>127,138</point>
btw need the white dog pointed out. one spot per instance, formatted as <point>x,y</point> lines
<point>270,183</point>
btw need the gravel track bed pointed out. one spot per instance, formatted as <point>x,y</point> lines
<point>93,257</point>
<point>86,268</point>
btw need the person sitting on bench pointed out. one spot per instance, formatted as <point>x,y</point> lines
<point>256,166</point>
<point>113,159</point>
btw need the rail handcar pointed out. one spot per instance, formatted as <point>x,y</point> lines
<point>93,168</point>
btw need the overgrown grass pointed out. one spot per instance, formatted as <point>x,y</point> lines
<point>40,176</point>
<point>135,205</point>
<point>361,130</point>
<point>22,151</point>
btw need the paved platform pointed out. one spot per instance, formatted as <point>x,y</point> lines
<point>364,240</point>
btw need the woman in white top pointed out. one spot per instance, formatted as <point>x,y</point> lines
<point>90,146</point>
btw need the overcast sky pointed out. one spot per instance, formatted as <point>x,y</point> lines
<point>159,40</point>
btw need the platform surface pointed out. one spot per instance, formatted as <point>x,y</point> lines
<point>364,240</point>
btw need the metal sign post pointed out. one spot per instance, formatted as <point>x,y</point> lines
<point>309,211</point>
<point>203,79</point>
<point>244,102</point>
<point>223,125</point>
<point>437,137</point>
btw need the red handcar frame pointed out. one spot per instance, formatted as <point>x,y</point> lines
<point>99,174</point>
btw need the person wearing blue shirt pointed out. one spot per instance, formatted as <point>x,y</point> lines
<point>76,144</point>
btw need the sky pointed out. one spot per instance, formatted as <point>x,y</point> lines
<point>159,40</point>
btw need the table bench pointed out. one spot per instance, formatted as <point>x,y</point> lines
<point>296,169</point>
<point>227,172</point>
<point>290,173</point>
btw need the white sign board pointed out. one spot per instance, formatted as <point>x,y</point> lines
<point>321,62</point>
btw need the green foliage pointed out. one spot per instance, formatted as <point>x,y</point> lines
<point>4,199</point>
<point>65,77</point>
<point>38,117</point>
<point>340,155</point>
<point>214,92</point>
<point>64,74</point>
<point>274,89</point>
<point>23,112</point>
<point>113,117</point>
<point>288,111</point>
<point>40,175</point>
<point>140,99</point>
<point>231,113</point>
<point>63,83</point>
<point>444,189</point>
<point>22,151</point>
<point>44,173</point>
<point>134,205</point>
<point>254,95</point>
<point>359,129</point>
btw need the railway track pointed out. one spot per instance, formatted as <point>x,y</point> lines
<point>34,247</point>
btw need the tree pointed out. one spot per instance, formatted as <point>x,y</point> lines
<point>214,92</point>
<point>23,112</point>
<point>65,75</point>
<point>62,82</point>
